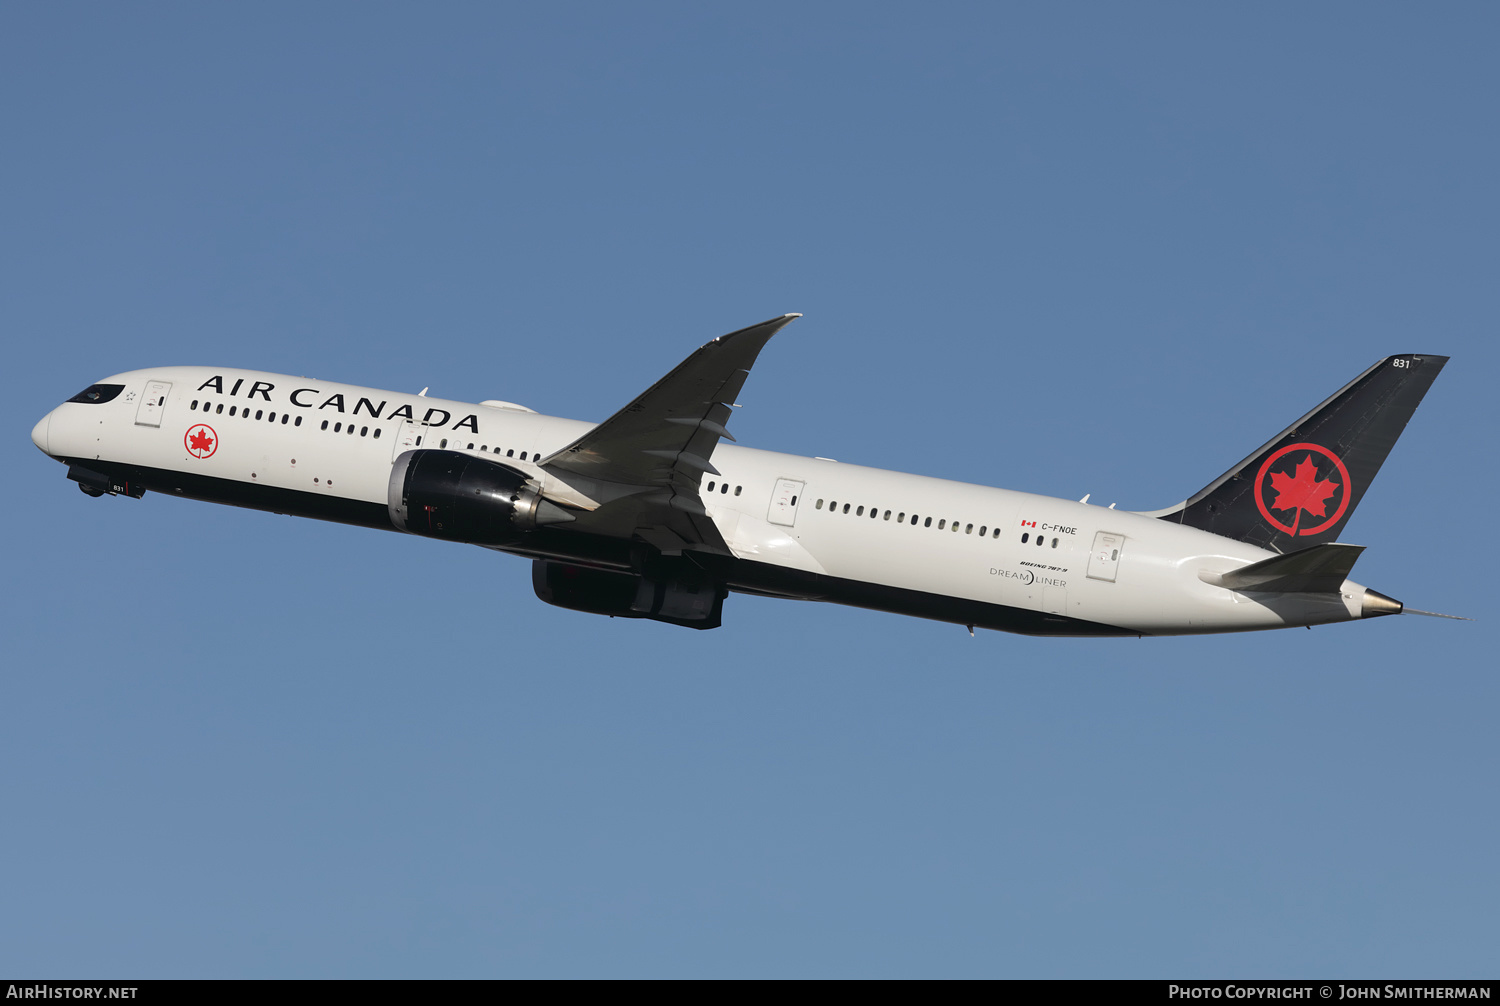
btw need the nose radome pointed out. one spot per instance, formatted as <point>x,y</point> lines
<point>39,434</point>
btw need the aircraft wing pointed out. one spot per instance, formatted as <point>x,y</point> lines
<point>657,448</point>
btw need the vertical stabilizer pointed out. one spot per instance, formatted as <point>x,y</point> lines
<point>1302,487</point>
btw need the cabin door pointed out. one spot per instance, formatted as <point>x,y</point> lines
<point>1104,560</point>
<point>148,413</point>
<point>408,438</point>
<point>784,502</point>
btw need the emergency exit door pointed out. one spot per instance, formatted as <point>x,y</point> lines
<point>784,502</point>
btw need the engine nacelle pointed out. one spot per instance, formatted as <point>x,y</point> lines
<point>681,596</point>
<point>446,494</point>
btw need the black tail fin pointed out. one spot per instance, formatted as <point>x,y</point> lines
<point>1301,488</point>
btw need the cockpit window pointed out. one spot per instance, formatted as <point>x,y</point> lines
<point>98,394</point>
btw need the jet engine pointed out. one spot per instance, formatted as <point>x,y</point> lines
<point>446,494</point>
<point>679,595</point>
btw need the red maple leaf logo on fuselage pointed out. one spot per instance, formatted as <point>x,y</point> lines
<point>200,441</point>
<point>1302,490</point>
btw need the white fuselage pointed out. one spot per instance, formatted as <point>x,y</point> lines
<point>834,531</point>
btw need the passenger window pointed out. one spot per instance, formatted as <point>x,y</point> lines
<point>259,413</point>
<point>1025,537</point>
<point>220,409</point>
<point>981,530</point>
<point>350,430</point>
<point>955,527</point>
<point>363,430</point>
<point>710,486</point>
<point>298,422</point>
<point>996,534</point>
<point>968,529</point>
<point>194,406</point>
<point>377,430</point>
<point>942,523</point>
<point>1040,541</point>
<point>1054,542</point>
<point>232,408</point>
<point>737,490</point>
<point>339,428</point>
<point>818,505</point>
<point>887,515</point>
<point>284,417</point>
<point>441,443</point>
<point>511,453</point>
<point>271,417</point>
<point>927,522</point>
<point>846,508</point>
<point>724,489</point>
<point>860,512</point>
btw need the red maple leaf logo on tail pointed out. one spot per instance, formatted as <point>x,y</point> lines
<point>1302,490</point>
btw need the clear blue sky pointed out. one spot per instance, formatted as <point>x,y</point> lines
<point>1065,248</point>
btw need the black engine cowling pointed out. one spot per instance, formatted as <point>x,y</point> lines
<point>445,494</point>
<point>679,594</point>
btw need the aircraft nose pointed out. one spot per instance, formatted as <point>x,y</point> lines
<point>39,434</point>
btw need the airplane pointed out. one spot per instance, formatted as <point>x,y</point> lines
<point>650,515</point>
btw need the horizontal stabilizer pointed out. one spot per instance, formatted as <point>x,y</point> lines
<point>1321,569</point>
